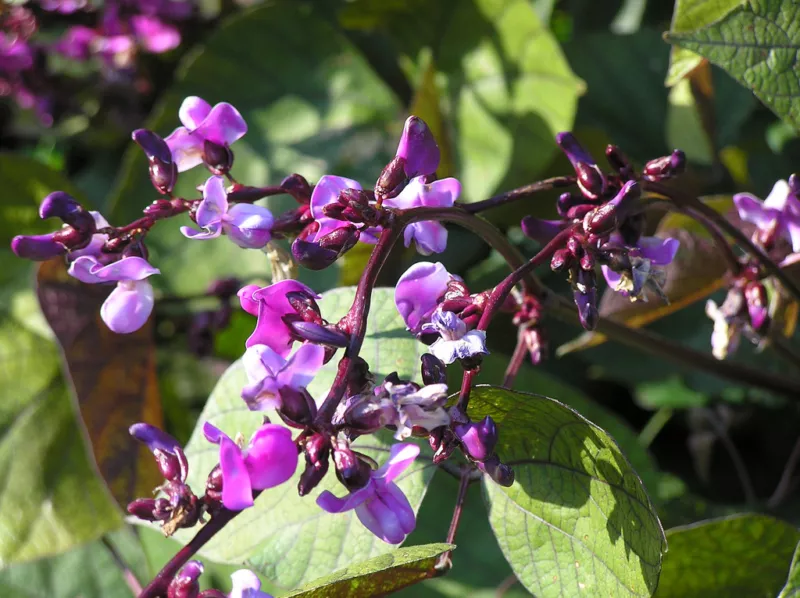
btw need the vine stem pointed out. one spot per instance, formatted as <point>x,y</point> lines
<point>517,359</point>
<point>519,193</point>
<point>444,562</point>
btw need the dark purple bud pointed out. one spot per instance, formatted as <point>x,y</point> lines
<point>562,259</point>
<point>568,201</point>
<point>619,161</point>
<point>160,208</point>
<point>155,148</point>
<point>154,438</point>
<point>477,439</point>
<point>317,451</point>
<point>574,247</point>
<point>163,176</point>
<point>214,483</point>
<point>591,180</point>
<point>433,370</point>
<point>499,472</point>
<point>297,186</point>
<point>665,167</point>
<point>37,247</point>
<point>323,335</point>
<point>603,220</point>
<point>168,464</point>
<point>305,306</point>
<point>585,295</point>
<point>359,378</point>
<point>541,230</point>
<point>150,509</point>
<point>351,471</point>
<point>392,178</point>
<point>757,305</point>
<point>60,205</point>
<point>217,158</point>
<point>587,261</point>
<point>297,406</point>
<point>536,343</point>
<point>185,584</point>
<point>418,148</point>
<point>312,256</point>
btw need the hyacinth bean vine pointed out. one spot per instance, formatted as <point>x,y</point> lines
<point>326,426</point>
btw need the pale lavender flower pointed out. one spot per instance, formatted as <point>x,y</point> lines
<point>648,258</point>
<point>780,212</point>
<point>268,373</point>
<point>455,341</point>
<point>246,584</point>
<point>380,505</point>
<point>418,292</point>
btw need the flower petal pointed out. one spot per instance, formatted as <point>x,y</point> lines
<point>418,291</point>
<point>445,350</point>
<point>249,304</point>
<point>430,237</point>
<point>778,197</point>
<point>154,35</point>
<point>128,306</point>
<point>660,252</point>
<point>212,433</point>
<point>327,501</point>
<point>223,125</point>
<point>193,112</point>
<point>237,494</point>
<point>246,584</point>
<point>751,209</point>
<point>186,148</point>
<point>87,269</point>
<point>249,226</point>
<point>401,456</point>
<point>214,204</point>
<point>153,437</point>
<point>327,191</point>
<point>418,147</point>
<point>211,232</point>
<point>302,366</point>
<point>398,502</point>
<point>271,457</point>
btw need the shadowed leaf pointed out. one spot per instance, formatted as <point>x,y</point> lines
<point>792,587</point>
<point>577,518</point>
<point>113,376</point>
<point>742,555</point>
<point>377,576</point>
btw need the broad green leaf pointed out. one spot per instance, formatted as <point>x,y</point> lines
<point>506,88</point>
<point>757,44</point>
<point>792,587</point>
<point>577,519</point>
<point>87,571</point>
<point>690,15</point>
<point>378,576</point>
<point>287,538</point>
<point>312,103</point>
<point>742,555</point>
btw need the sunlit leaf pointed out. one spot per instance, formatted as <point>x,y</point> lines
<point>742,555</point>
<point>113,376</point>
<point>287,538</point>
<point>792,587</point>
<point>377,576</point>
<point>577,518</point>
<point>757,44</point>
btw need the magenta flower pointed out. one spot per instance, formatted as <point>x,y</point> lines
<point>268,373</point>
<point>154,35</point>
<point>15,54</point>
<point>418,292</point>
<point>647,259</point>
<point>76,42</point>
<point>418,148</point>
<point>247,225</point>
<point>326,191</point>
<point>780,212</point>
<point>65,7</point>
<point>430,236</point>
<point>129,305</point>
<point>380,505</point>
<point>271,304</point>
<point>222,125</point>
<point>268,461</point>
<point>246,584</point>
<point>454,341</point>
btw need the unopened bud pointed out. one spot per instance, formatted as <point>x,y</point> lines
<point>214,483</point>
<point>217,158</point>
<point>317,451</point>
<point>297,186</point>
<point>391,179</point>
<point>322,335</point>
<point>591,180</point>
<point>149,509</point>
<point>163,176</point>
<point>168,464</point>
<point>561,260</point>
<point>619,161</point>
<point>433,369</point>
<point>665,167</point>
<point>757,305</point>
<point>185,584</point>
<point>154,147</point>
<point>499,472</point>
<point>418,148</point>
<point>37,247</point>
<point>351,471</point>
<point>567,201</point>
<point>603,220</point>
<point>477,439</point>
<point>297,406</point>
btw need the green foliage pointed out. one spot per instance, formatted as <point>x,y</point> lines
<point>577,517</point>
<point>287,538</point>
<point>742,555</point>
<point>757,44</point>
<point>380,575</point>
<point>792,587</point>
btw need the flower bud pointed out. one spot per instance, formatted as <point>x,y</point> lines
<point>214,484</point>
<point>619,161</point>
<point>217,158</point>
<point>418,148</point>
<point>155,148</point>
<point>163,176</point>
<point>477,439</point>
<point>603,220</point>
<point>317,451</point>
<point>665,167</point>
<point>499,472</point>
<point>297,186</point>
<point>321,254</point>
<point>37,247</point>
<point>567,201</point>
<point>757,305</point>
<point>168,464</point>
<point>59,205</point>
<point>391,179</point>
<point>433,369</point>
<point>150,509</point>
<point>297,406</point>
<point>160,208</point>
<point>351,471</point>
<point>185,584</point>
<point>316,333</point>
<point>561,260</point>
<point>591,180</point>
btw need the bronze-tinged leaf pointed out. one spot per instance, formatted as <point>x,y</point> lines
<point>697,271</point>
<point>113,377</point>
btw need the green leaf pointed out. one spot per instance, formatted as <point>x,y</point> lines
<point>792,587</point>
<point>377,576</point>
<point>88,571</point>
<point>506,87</point>
<point>577,519</point>
<point>688,16</point>
<point>757,44</point>
<point>287,538</point>
<point>743,555</point>
<point>313,105</point>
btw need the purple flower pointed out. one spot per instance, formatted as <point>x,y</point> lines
<point>129,305</point>
<point>76,43</point>
<point>647,259</point>
<point>326,192</point>
<point>95,246</point>
<point>15,54</point>
<point>63,6</point>
<point>780,212</point>
<point>221,125</point>
<point>268,461</point>
<point>247,225</point>
<point>454,342</point>
<point>418,149</point>
<point>246,584</point>
<point>154,35</point>
<point>270,304</point>
<point>416,407</point>
<point>268,373</point>
<point>430,236</point>
<point>418,292</point>
<point>380,505</point>
<point>37,247</point>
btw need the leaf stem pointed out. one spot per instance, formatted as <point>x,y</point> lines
<point>444,562</point>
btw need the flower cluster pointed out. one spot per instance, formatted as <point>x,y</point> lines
<point>186,584</point>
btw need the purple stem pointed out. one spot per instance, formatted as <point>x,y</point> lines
<point>519,193</point>
<point>517,359</point>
